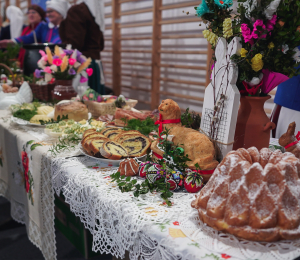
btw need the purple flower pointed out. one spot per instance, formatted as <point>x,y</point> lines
<point>80,59</point>
<point>56,57</point>
<point>78,54</point>
<point>38,74</point>
<point>68,52</point>
<point>72,71</point>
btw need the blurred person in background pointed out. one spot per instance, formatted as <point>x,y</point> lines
<point>45,32</point>
<point>83,29</point>
<point>35,15</point>
<point>14,29</point>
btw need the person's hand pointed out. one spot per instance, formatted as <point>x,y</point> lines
<point>4,43</point>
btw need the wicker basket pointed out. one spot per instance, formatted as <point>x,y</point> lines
<point>42,92</point>
<point>101,109</point>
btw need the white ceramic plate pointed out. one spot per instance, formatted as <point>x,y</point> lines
<point>104,160</point>
<point>20,121</point>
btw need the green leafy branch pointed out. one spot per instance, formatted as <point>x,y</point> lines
<point>127,184</point>
<point>65,143</point>
<point>190,120</point>
<point>52,121</point>
<point>145,127</point>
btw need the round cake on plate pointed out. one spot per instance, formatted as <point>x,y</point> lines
<point>253,195</point>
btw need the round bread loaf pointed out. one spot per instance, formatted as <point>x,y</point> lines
<point>75,110</point>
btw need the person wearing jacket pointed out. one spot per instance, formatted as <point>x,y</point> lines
<point>44,32</point>
<point>83,29</point>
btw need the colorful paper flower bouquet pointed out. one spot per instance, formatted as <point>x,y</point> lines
<point>63,64</point>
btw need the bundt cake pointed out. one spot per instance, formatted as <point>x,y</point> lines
<point>253,195</point>
<point>112,150</point>
<point>129,167</point>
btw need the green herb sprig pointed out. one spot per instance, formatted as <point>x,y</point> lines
<point>52,121</point>
<point>145,127</point>
<point>65,143</point>
<point>25,114</point>
<point>127,184</point>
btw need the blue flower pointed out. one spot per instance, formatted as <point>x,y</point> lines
<point>202,9</point>
<point>223,3</point>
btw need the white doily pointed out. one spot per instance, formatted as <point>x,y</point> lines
<point>114,218</point>
<point>220,242</point>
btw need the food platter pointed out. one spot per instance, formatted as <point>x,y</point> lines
<point>23,122</point>
<point>20,121</point>
<point>111,162</point>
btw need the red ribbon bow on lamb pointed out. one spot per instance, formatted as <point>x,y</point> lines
<point>293,143</point>
<point>161,122</point>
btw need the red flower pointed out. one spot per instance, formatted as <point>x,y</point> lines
<point>176,223</point>
<point>225,256</point>
<point>25,163</point>
<point>95,167</point>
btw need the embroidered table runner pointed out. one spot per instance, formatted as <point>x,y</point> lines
<point>26,182</point>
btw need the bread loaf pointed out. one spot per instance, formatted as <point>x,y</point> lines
<point>112,150</point>
<point>75,110</point>
<point>136,145</point>
<point>95,144</point>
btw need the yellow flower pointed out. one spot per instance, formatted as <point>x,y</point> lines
<point>64,64</point>
<point>227,28</point>
<point>49,54</point>
<point>243,52</point>
<point>271,45</point>
<point>56,51</point>
<point>84,65</point>
<point>257,62</point>
<point>210,36</point>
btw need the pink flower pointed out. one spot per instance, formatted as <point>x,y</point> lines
<point>271,80</point>
<point>89,72</point>
<point>72,61</point>
<point>47,70</point>
<point>246,32</point>
<point>42,53</point>
<point>57,62</point>
<point>271,23</point>
<point>83,79</point>
<point>255,35</point>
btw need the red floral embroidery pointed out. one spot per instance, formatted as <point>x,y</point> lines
<point>176,223</point>
<point>25,163</point>
<point>225,256</point>
<point>95,167</point>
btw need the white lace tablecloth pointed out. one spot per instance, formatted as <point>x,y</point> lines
<point>118,221</point>
<point>145,226</point>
